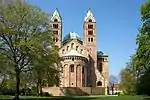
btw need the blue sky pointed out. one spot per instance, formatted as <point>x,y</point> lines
<point>117,24</point>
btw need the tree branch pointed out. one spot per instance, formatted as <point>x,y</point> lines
<point>9,45</point>
<point>25,64</point>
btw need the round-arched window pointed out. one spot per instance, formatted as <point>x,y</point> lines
<point>90,20</point>
<point>72,68</point>
<point>99,83</point>
<point>55,20</point>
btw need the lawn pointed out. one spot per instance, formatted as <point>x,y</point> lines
<point>78,98</point>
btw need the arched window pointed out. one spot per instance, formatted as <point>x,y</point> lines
<point>63,51</point>
<point>81,51</point>
<point>72,59</point>
<point>55,26</point>
<point>77,48</point>
<point>90,20</point>
<point>56,39</point>
<point>90,32</point>
<point>91,39</point>
<point>72,44</point>
<point>67,48</point>
<point>63,68</point>
<point>72,68</point>
<point>90,26</point>
<point>55,20</point>
<point>99,83</point>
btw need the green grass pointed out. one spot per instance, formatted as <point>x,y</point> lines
<point>77,98</point>
<point>5,97</point>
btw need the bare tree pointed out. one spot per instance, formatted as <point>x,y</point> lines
<point>113,80</point>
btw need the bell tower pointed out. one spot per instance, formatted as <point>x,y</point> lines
<point>90,44</point>
<point>56,26</point>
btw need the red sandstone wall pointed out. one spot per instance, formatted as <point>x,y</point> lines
<point>61,91</point>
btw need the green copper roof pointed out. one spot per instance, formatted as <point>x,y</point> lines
<point>72,36</point>
<point>101,54</point>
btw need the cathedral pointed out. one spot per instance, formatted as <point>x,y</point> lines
<point>83,64</point>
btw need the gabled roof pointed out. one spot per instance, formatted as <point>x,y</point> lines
<point>89,15</point>
<point>56,15</point>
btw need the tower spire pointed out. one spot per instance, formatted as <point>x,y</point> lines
<point>89,15</point>
<point>56,15</point>
<point>56,26</point>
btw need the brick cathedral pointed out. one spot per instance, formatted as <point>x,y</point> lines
<point>83,65</point>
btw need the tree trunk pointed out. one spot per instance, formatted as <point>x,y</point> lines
<point>25,88</point>
<point>112,88</point>
<point>39,88</point>
<point>17,84</point>
<point>108,90</point>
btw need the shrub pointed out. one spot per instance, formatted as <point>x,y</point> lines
<point>6,91</point>
<point>46,94</point>
<point>121,94</point>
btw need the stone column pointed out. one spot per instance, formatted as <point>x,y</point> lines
<point>81,76</point>
<point>75,75</point>
<point>69,75</point>
<point>85,76</point>
<point>67,78</point>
